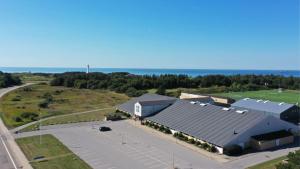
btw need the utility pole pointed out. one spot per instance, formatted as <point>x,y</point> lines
<point>173,165</point>
<point>40,117</point>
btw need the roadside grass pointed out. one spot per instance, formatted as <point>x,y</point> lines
<point>71,118</point>
<point>65,101</point>
<point>287,96</point>
<point>56,155</point>
<point>269,164</point>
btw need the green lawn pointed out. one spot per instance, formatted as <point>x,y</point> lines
<point>288,96</point>
<point>65,101</point>
<point>269,164</point>
<point>72,118</point>
<point>56,154</point>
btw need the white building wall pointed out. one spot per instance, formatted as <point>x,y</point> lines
<point>220,149</point>
<point>147,110</point>
<point>138,109</point>
<point>270,124</point>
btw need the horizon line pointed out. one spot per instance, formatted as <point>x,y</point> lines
<point>45,67</point>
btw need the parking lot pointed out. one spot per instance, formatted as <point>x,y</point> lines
<point>126,147</point>
<point>130,147</point>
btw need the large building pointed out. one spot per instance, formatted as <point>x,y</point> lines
<point>146,105</point>
<point>284,111</point>
<point>215,125</point>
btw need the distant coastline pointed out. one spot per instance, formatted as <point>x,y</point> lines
<point>140,71</point>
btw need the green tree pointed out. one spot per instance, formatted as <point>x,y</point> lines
<point>161,90</point>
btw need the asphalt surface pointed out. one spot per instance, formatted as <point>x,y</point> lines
<point>5,162</point>
<point>129,147</point>
<point>125,147</point>
<point>16,158</point>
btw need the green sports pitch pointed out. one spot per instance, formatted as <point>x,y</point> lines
<point>287,96</point>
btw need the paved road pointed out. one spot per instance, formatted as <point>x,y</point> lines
<point>130,147</point>
<point>5,162</point>
<point>11,156</point>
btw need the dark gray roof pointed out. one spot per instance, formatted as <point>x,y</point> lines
<point>202,100</point>
<point>263,105</point>
<point>209,123</point>
<point>156,102</point>
<point>145,99</point>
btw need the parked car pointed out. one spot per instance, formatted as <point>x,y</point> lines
<point>104,128</point>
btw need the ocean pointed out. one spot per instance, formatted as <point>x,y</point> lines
<point>137,71</point>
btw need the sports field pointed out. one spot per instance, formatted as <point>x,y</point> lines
<point>287,96</point>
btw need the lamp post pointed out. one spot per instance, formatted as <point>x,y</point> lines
<point>40,116</point>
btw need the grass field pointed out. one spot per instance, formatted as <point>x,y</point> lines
<point>288,96</point>
<point>56,155</point>
<point>28,77</point>
<point>269,164</point>
<point>65,101</point>
<point>72,118</point>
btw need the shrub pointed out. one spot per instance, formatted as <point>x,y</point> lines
<point>27,89</point>
<point>113,117</point>
<point>233,150</point>
<point>192,141</point>
<point>43,104</point>
<point>161,128</point>
<point>16,98</point>
<point>27,115</point>
<point>205,146</point>
<point>212,149</point>
<point>198,143</point>
<point>168,131</point>
<point>17,119</point>
<point>48,97</point>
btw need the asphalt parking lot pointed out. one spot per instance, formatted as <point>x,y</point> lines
<point>126,147</point>
<point>130,147</point>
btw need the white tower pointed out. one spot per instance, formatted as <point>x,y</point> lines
<point>88,69</point>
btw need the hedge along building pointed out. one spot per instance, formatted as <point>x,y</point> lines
<point>216,125</point>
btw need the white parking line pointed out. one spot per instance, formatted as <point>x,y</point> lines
<point>9,155</point>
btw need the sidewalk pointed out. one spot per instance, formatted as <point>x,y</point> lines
<point>14,149</point>
<point>9,141</point>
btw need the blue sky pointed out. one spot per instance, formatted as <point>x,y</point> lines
<point>218,34</point>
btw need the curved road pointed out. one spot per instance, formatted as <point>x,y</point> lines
<point>11,157</point>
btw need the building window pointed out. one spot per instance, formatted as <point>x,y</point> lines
<point>137,108</point>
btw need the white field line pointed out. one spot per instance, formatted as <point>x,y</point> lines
<point>11,159</point>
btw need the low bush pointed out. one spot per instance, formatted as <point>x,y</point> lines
<point>212,149</point>
<point>192,141</point>
<point>44,104</point>
<point>16,98</point>
<point>167,131</point>
<point>17,119</point>
<point>27,89</point>
<point>26,115</point>
<point>198,143</point>
<point>113,117</point>
<point>161,128</point>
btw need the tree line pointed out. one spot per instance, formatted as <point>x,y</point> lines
<point>135,85</point>
<point>7,80</point>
